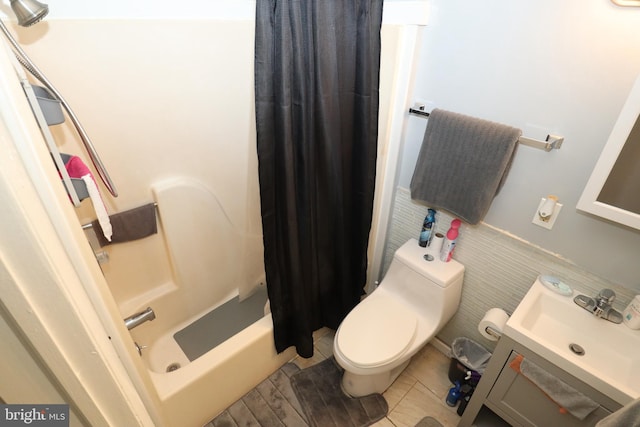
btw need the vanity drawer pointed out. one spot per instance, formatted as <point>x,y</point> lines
<point>520,401</point>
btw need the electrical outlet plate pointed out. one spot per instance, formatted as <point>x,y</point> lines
<point>548,224</point>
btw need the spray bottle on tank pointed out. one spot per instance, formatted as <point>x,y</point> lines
<point>427,228</point>
<point>450,241</point>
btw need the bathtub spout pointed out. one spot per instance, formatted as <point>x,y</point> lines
<point>139,318</point>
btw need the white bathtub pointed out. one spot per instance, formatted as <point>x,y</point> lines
<point>209,258</point>
<point>198,391</point>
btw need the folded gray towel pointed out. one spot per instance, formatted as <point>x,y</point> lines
<point>560,392</point>
<point>463,163</point>
<point>129,225</point>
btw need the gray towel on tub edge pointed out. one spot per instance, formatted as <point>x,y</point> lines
<point>463,163</point>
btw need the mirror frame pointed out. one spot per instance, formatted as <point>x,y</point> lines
<point>627,2</point>
<point>588,201</point>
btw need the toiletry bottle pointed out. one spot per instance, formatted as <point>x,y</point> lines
<point>450,241</point>
<point>454,395</point>
<point>631,314</point>
<point>427,227</point>
<point>466,391</point>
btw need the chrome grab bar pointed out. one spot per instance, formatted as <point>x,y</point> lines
<point>31,67</point>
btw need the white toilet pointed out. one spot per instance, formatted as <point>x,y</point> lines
<point>415,300</point>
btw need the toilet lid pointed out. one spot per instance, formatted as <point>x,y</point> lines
<point>376,332</point>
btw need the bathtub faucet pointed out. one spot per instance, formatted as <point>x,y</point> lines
<point>139,318</point>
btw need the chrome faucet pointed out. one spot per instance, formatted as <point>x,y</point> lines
<point>604,299</point>
<point>139,318</point>
<point>600,306</point>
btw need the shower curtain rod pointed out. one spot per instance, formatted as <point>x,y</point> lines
<point>552,142</point>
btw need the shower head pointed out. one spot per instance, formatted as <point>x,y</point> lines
<point>29,12</point>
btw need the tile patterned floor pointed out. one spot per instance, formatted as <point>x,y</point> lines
<point>420,390</point>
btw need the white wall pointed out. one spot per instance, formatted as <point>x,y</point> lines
<point>160,99</point>
<point>546,67</point>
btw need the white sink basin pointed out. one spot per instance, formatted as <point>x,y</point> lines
<point>549,323</point>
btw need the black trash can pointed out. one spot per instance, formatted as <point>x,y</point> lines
<point>468,361</point>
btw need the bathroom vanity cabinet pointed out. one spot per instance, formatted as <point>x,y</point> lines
<point>505,398</point>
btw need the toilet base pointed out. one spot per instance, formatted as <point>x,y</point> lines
<point>356,385</point>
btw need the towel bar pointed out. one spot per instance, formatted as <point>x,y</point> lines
<point>418,112</point>
<point>90,224</point>
<point>552,142</point>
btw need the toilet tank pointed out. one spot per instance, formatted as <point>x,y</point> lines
<point>431,286</point>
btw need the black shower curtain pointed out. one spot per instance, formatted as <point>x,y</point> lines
<point>317,72</point>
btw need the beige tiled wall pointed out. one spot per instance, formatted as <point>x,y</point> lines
<point>500,267</point>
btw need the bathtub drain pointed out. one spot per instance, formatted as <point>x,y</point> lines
<point>172,367</point>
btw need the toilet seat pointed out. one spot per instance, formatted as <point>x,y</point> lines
<point>376,332</point>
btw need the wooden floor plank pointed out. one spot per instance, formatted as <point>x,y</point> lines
<point>281,381</point>
<point>223,420</point>
<point>242,415</point>
<point>280,405</point>
<point>261,409</point>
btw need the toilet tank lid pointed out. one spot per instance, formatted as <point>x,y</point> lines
<point>413,256</point>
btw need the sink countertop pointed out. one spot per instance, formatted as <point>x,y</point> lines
<point>548,323</point>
